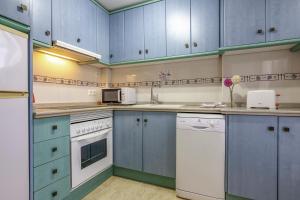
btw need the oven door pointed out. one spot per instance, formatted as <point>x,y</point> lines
<point>91,154</point>
<point>111,95</point>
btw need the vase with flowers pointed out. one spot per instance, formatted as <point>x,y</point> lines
<point>230,83</point>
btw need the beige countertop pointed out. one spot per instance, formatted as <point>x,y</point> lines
<point>41,111</point>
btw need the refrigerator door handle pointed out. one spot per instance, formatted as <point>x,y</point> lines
<point>13,94</point>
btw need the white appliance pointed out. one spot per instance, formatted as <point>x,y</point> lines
<point>200,156</point>
<point>124,95</point>
<point>91,145</point>
<point>14,144</point>
<point>261,99</point>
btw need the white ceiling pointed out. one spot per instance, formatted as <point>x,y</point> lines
<point>116,4</point>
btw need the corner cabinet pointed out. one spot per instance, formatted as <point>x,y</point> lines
<point>41,19</point>
<point>18,10</point>
<point>138,138</point>
<point>103,34</point>
<point>116,37</point>
<point>263,160</point>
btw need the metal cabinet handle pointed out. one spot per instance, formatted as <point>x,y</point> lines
<point>286,129</point>
<point>111,55</point>
<point>140,52</point>
<point>146,51</point>
<point>54,149</point>
<point>47,33</point>
<point>54,171</point>
<point>195,44</point>
<point>272,29</point>
<point>22,7</point>
<point>271,128</point>
<point>260,31</point>
<point>138,120</point>
<point>78,40</point>
<point>145,120</point>
<point>187,46</point>
<point>54,127</point>
<point>54,194</point>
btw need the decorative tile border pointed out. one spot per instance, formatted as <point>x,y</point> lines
<point>180,82</point>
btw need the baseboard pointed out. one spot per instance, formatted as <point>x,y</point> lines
<point>162,181</point>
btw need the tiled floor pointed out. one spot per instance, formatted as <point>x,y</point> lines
<point>117,188</point>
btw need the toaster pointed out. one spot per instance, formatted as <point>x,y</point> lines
<point>261,99</point>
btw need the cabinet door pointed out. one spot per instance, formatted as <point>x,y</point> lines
<point>41,15</point>
<point>87,27</point>
<point>178,27</point>
<point>205,23</point>
<point>65,21</point>
<point>103,34</point>
<point>116,37</point>
<point>155,30</point>
<point>134,34</point>
<point>252,157</point>
<point>159,143</point>
<point>283,19</point>
<point>128,139</point>
<point>289,159</point>
<point>244,22</point>
<point>13,9</point>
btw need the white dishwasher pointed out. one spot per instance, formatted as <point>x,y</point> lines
<point>200,156</point>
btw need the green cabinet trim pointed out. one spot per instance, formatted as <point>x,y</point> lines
<point>233,197</point>
<point>145,177</point>
<point>15,25</point>
<point>295,48</point>
<point>133,6</point>
<point>38,44</point>
<point>89,186</point>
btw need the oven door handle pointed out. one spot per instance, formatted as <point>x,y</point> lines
<point>98,135</point>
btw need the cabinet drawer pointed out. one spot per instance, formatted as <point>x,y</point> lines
<point>51,150</point>
<point>56,191</point>
<point>51,172</point>
<point>50,128</point>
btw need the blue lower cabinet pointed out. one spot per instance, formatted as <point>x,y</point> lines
<point>252,157</point>
<point>128,139</point>
<point>18,10</point>
<point>145,141</point>
<point>289,159</point>
<point>51,172</point>
<point>56,191</point>
<point>159,143</point>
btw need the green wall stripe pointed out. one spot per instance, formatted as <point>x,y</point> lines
<point>97,3</point>
<point>133,6</point>
<point>92,184</point>
<point>145,177</point>
<point>14,25</point>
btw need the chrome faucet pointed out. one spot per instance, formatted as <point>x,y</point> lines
<point>163,76</point>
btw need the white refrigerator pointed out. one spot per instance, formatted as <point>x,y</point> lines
<point>14,128</point>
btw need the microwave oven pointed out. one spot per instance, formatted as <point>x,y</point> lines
<point>124,95</point>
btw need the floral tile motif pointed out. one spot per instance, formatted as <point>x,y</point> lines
<point>174,83</point>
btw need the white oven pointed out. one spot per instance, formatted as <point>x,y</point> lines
<point>91,145</point>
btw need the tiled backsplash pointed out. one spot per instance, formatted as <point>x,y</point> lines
<point>178,81</point>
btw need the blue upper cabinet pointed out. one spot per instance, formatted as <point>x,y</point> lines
<point>205,23</point>
<point>252,157</point>
<point>128,140</point>
<point>155,30</point>
<point>18,10</point>
<point>103,34</point>
<point>159,143</point>
<point>87,27</point>
<point>116,37</point>
<point>178,27</point>
<point>283,19</point>
<point>134,34</point>
<point>41,14</point>
<point>244,22</point>
<point>65,21</point>
<point>289,159</point>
